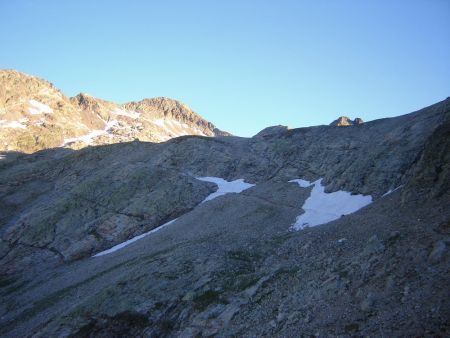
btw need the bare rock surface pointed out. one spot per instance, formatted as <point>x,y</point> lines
<point>230,266</point>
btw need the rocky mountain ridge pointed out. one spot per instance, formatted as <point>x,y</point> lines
<point>34,115</point>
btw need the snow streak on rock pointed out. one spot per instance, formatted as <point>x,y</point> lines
<point>88,138</point>
<point>12,124</point>
<point>225,187</point>
<point>132,240</point>
<point>392,190</point>
<point>321,207</point>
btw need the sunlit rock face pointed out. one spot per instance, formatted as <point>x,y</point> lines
<point>34,115</point>
<point>344,121</point>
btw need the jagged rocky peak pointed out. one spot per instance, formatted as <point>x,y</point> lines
<point>84,100</point>
<point>344,121</point>
<point>17,88</point>
<point>13,79</point>
<point>169,109</point>
<point>163,107</point>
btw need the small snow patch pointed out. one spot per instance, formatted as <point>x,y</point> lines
<point>225,187</point>
<point>37,108</point>
<point>321,207</point>
<point>159,122</point>
<point>132,240</point>
<point>302,183</point>
<point>127,113</point>
<point>12,124</point>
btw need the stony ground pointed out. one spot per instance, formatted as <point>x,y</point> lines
<point>231,266</point>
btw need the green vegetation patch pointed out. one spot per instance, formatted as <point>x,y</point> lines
<point>207,298</point>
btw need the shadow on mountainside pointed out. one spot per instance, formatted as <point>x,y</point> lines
<point>230,266</point>
<point>69,204</point>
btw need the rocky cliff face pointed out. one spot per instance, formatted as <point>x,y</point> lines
<point>231,266</point>
<point>34,115</point>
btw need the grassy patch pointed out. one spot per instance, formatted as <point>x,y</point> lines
<point>246,256</point>
<point>128,323</point>
<point>238,282</point>
<point>207,298</point>
<point>353,327</point>
<point>158,305</point>
<point>5,281</point>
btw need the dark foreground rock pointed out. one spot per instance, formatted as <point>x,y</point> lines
<point>231,266</point>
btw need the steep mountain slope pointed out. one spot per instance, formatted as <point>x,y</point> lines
<point>34,115</point>
<point>231,266</point>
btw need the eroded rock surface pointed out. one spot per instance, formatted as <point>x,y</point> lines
<point>231,266</point>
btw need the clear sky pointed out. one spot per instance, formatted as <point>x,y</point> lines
<point>244,65</point>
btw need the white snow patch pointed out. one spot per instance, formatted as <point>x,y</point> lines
<point>12,124</point>
<point>390,191</point>
<point>159,122</point>
<point>132,240</point>
<point>341,240</point>
<point>128,113</point>
<point>39,108</point>
<point>225,187</point>
<point>88,138</point>
<point>321,207</point>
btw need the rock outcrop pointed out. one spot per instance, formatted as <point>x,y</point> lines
<point>344,121</point>
<point>271,131</point>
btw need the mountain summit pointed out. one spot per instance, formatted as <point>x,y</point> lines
<point>35,115</point>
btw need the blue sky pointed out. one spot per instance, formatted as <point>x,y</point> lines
<point>243,65</point>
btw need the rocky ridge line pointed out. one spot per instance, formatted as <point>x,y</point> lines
<point>35,115</point>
